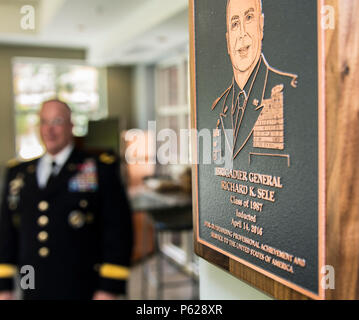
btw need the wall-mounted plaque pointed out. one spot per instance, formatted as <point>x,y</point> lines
<point>256,87</point>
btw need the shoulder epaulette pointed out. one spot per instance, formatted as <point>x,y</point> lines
<point>12,163</point>
<point>107,158</point>
<point>32,159</point>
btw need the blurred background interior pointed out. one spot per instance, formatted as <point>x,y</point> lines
<point>118,64</point>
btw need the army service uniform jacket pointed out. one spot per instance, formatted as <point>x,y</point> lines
<point>76,232</point>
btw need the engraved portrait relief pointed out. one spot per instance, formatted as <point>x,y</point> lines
<point>253,105</point>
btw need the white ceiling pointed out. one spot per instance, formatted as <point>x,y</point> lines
<point>113,31</point>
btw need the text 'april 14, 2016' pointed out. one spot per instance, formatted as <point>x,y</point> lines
<point>249,204</point>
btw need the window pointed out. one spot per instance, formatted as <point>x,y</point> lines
<point>172,100</point>
<point>172,112</point>
<point>37,80</point>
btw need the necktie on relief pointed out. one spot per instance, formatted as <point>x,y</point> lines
<point>238,111</point>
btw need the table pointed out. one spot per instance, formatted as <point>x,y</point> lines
<point>168,212</point>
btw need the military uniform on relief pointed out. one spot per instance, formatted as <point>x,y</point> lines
<point>76,232</point>
<point>254,116</point>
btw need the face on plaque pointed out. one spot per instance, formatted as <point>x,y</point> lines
<point>244,33</point>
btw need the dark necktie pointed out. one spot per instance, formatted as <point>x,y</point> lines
<point>53,168</point>
<point>53,173</point>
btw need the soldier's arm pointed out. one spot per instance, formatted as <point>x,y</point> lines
<point>117,230</point>
<point>8,243</point>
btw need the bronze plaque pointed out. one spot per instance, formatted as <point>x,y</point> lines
<point>256,91</point>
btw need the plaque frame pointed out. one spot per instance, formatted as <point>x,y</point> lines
<point>262,279</point>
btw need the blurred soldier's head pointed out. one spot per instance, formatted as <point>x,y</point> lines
<point>244,33</point>
<point>55,125</point>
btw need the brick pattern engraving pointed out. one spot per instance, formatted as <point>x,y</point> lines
<point>269,129</point>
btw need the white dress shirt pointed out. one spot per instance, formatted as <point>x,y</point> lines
<point>44,167</point>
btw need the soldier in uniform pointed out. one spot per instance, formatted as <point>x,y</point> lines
<point>252,106</point>
<point>67,216</point>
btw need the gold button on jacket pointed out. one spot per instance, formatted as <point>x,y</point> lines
<point>43,206</point>
<point>43,221</point>
<point>44,252</point>
<point>43,236</point>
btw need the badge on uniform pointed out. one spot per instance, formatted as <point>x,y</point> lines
<point>15,186</point>
<point>86,179</point>
<point>76,219</point>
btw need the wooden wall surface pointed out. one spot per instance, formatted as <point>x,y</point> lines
<point>342,107</point>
